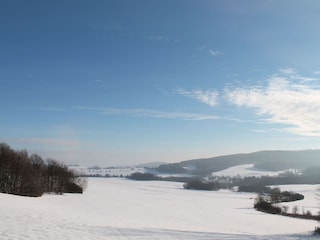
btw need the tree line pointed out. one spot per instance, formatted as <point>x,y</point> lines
<point>151,177</point>
<point>268,203</point>
<point>25,175</point>
<point>257,184</point>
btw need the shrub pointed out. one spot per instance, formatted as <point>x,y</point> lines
<point>317,231</point>
<point>291,196</point>
<point>143,176</point>
<point>200,185</point>
<point>73,188</point>
<point>258,188</point>
<point>262,205</point>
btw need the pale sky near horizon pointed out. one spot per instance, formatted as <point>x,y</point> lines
<point>122,82</point>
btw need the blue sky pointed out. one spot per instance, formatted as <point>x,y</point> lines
<point>123,82</point>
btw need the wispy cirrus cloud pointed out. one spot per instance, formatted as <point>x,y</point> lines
<point>209,97</point>
<point>98,81</point>
<point>292,74</point>
<point>286,98</point>
<point>151,113</point>
<point>162,38</point>
<point>116,27</point>
<point>54,109</point>
<point>215,53</point>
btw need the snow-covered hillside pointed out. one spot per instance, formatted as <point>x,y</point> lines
<point>114,208</point>
<point>247,170</point>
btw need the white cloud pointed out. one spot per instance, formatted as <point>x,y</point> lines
<point>209,97</point>
<point>54,109</point>
<point>215,53</point>
<point>292,74</point>
<point>159,114</point>
<point>259,130</point>
<point>151,113</point>
<point>108,27</point>
<point>288,71</point>
<point>162,38</point>
<point>158,38</point>
<point>286,99</point>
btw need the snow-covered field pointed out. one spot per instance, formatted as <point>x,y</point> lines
<point>116,208</point>
<point>246,170</point>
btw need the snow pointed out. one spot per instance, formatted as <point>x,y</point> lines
<point>245,170</point>
<point>117,208</point>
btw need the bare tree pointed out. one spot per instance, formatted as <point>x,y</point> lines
<point>29,175</point>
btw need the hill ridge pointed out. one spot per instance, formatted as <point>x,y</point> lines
<point>270,160</point>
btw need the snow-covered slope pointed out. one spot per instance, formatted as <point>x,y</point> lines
<point>246,170</point>
<point>124,209</point>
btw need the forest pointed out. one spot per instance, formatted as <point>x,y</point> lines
<point>29,175</point>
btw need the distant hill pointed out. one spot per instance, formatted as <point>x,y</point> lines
<point>150,165</point>
<point>264,160</point>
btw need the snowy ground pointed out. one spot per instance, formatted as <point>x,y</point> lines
<point>246,170</point>
<point>124,209</point>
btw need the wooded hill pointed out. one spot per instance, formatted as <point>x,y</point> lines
<point>264,160</point>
